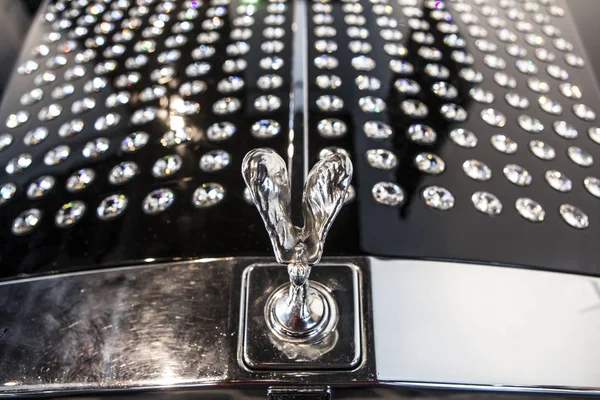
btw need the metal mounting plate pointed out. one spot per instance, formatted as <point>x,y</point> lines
<point>259,349</point>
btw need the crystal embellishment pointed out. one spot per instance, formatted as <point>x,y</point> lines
<point>530,209</point>
<point>463,138</point>
<point>40,187</point>
<point>487,203</point>
<point>574,216</point>
<point>134,141</point>
<point>57,155</point>
<point>80,179</point>
<point>112,207</point>
<point>592,184</point>
<point>166,166</point>
<point>438,197</point>
<point>542,150</point>
<point>7,192</point>
<point>69,214</point>
<point>504,144</point>
<point>158,201</point>
<point>208,195</point>
<point>430,163</point>
<point>214,160</point>
<point>26,221</point>
<point>558,181</point>
<point>580,156</point>
<point>123,172</point>
<point>387,193</point>
<point>517,175</point>
<point>477,170</point>
<point>381,159</point>
<point>493,117</point>
<point>265,129</point>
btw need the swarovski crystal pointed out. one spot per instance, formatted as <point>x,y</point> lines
<point>176,137</point>
<point>214,160</point>
<point>69,214</point>
<point>593,133</point>
<point>504,144</point>
<point>414,108</point>
<point>107,121</point>
<point>538,85</point>
<point>584,112</point>
<point>96,147</point>
<point>377,130</point>
<point>7,192</point>
<point>269,103</point>
<point>269,82</point>
<point>530,124</point>
<point>558,181</point>
<point>591,183</point>
<point>18,163</point>
<point>40,187</point>
<point>112,206</point>
<point>542,150</point>
<point>35,136</point>
<point>381,159</point>
<point>226,105</point>
<point>580,156</point>
<point>569,90</point>
<point>80,179</point>
<point>6,140</point>
<point>453,112</point>
<point>167,166</point>
<point>208,194</point>
<point>574,216</point>
<point>192,88</point>
<point>565,129</point>
<point>134,141</point>
<point>430,163</point>
<point>57,155</point>
<point>26,221</point>
<point>463,137</point>
<point>517,175</point>
<point>371,104</point>
<point>516,100</point>
<point>477,170</point>
<point>438,197</point>
<point>265,129</point>
<point>158,201</point>
<point>17,119</point>
<point>493,117</point>
<point>530,209</point>
<point>481,95</point>
<point>123,172</point>
<point>549,105</point>
<point>487,203</point>
<point>32,97</point>
<point>331,128</point>
<point>421,134</point>
<point>330,103</point>
<point>387,193</point>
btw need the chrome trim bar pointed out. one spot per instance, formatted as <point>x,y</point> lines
<point>435,325</point>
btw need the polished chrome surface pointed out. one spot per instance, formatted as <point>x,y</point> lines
<point>448,323</point>
<point>305,312</point>
<point>455,326</point>
<point>147,326</point>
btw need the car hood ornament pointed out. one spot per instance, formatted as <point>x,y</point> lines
<point>298,311</point>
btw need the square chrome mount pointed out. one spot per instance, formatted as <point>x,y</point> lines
<point>261,349</point>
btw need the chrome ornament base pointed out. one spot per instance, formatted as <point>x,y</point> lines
<point>333,343</point>
<point>301,314</point>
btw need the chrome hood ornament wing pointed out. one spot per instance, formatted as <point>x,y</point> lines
<point>298,311</point>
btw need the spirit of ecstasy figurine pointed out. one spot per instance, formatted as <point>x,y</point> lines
<point>298,311</point>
